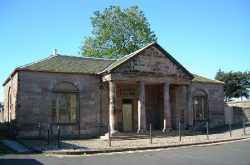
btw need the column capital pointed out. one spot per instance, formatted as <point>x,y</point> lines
<point>166,83</point>
<point>190,87</point>
<point>140,82</point>
<point>112,81</point>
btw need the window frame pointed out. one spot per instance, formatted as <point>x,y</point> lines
<point>202,99</point>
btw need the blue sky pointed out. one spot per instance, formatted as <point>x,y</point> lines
<point>202,35</point>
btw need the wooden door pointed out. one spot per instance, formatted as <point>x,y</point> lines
<point>127,117</point>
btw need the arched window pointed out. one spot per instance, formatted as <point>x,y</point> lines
<point>200,105</point>
<point>65,103</point>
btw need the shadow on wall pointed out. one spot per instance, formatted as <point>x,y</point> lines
<point>240,114</point>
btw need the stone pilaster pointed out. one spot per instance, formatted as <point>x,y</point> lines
<point>141,109</point>
<point>181,106</point>
<point>167,111</point>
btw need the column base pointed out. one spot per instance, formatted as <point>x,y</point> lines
<point>167,130</point>
<point>141,131</point>
<point>112,133</point>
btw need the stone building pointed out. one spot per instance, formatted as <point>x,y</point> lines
<point>85,95</point>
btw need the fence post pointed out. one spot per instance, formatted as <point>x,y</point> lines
<point>180,131</point>
<point>39,131</point>
<point>207,131</point>
<point>58,137</point>
<point>150,133</point>
<point>244,127</point>
<point>230,127</point>
<point>109,133</point>
<point>48,135</point>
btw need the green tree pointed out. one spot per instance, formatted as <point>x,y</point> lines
<point>117,32</point>
<point>236,83</point>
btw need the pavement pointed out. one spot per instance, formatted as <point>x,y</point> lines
<point>135,148</point>
<point>15,146</point>
<point>94,146</point>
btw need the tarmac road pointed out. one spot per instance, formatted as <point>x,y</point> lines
<point>233,153</point>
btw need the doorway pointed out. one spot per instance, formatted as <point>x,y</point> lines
<point>127,109</point>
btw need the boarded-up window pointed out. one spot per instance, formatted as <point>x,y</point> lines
<point>200,105</point>
<point>65,104</point>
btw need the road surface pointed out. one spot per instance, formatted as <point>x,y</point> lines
<point>233,153</point>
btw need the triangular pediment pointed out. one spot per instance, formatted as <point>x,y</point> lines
<point>150,60</point>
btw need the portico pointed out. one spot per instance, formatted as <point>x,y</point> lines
<point>135,102</point>
<point>148,87</point>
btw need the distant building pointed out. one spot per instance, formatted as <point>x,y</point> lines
<point>85,95</point>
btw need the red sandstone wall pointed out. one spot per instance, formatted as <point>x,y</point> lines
<point>215,102</point>
<point>35,101</point>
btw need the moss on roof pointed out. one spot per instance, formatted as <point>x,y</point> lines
<point>68,64</point>
<point>201,79</point>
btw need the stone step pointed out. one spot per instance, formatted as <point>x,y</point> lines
<point>159,134</point>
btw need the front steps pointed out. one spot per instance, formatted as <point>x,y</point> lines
<point>158,134</point>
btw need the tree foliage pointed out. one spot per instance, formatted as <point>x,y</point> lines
<point>117,32</point>
<point>236,83</point>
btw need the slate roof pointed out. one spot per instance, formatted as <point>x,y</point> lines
<point>201,79</point>
<point>89,65</point>
<point>68,64</point>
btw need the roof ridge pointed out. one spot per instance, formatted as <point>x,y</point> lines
<point>95,58</point>
<point>196,75</point>
<point>60,55</point>
<point>41,60</point>
<point>99,58</point>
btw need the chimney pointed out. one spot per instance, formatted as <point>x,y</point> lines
<point>54,52</point>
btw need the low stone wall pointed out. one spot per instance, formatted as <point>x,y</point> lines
<point>240,110</point>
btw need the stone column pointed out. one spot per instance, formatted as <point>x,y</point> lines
<point>141,109</point>
<point>112,106</point>
<point>184,107</point>
<point>189,105</point>
<point>166,108</point>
